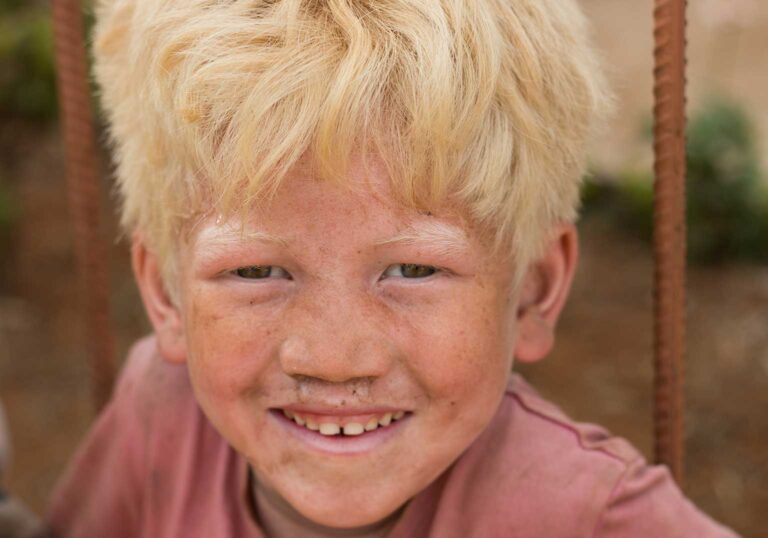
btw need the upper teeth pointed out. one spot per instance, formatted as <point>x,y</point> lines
<point>353,428</point>
<point>328,428</point>
<point>350,428</point>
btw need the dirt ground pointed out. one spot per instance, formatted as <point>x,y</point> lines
<point>600,370</point>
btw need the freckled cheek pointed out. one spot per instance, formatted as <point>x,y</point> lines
<point>465,351</point>
<point>227,351</point>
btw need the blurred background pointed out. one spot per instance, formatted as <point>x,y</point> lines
<point>601,368</point>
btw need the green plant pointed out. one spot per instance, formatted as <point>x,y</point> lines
<point>727,214</point>
<point>27,73</point>
<point>9,6</point>
<point>27,66</point>
<point>727,204</point>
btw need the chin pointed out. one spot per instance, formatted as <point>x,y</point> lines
<point>343,512</point>
<point>343,519</point>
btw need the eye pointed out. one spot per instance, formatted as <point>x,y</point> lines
<point>409,270</point>
<point>257,272</point>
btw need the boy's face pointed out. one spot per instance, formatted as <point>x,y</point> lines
<point>352,314</point>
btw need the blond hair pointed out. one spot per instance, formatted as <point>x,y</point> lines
<point>483,103</point>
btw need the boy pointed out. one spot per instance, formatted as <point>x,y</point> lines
<point>348,217</point>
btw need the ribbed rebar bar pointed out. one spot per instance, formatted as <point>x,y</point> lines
<point>669,232</point>
<point>83,190</point>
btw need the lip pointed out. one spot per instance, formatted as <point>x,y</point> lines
<point>340,445</point>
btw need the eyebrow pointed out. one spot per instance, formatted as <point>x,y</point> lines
<point>449,239</point>
<point>446,238</point>
<point>235,235</point>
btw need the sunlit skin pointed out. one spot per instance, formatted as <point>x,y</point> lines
<point>341,304</point>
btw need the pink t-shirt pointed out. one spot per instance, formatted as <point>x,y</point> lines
<point>153,466</point>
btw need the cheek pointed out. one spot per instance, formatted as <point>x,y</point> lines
<point>229,359</point>
<point>228,348</point>
<point>463,367</point>
<point>468,347</point>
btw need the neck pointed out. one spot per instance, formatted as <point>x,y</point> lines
<point>279,519</point>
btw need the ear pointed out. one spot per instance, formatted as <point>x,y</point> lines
<point>163,313</point>
<point>544,290</point>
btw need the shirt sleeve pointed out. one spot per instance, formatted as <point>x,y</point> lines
<point>101,492</point>
<point>647,502</point>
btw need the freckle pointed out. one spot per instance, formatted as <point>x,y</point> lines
<point>343,403</point>
<point>453,403</point>
<point>286,459</point>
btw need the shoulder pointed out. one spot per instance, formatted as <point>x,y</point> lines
<point>106,484</point>
<point>149,397</point>
<point>552,476</point>
<point>152,395</point>
<point>546,423</point>
<point>642,499</point>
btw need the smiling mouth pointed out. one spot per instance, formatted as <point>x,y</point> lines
<point>340,426</point>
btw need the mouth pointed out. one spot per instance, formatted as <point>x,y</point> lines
<point>342,434</point>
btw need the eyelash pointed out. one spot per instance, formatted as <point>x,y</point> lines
<point>429,268</point>
<point>263,272</point>
<point>242,272</point>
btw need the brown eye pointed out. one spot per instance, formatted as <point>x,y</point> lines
<point>259,271</point>
<point>410,270</point>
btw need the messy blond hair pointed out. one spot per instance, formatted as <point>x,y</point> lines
<point>483,103</point>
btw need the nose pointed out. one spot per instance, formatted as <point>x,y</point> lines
<point>336,343</point>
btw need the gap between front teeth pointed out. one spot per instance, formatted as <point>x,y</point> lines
<point>350,429</point>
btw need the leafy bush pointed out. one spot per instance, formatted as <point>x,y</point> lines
<point>727,204</point>
<point>27,64</point>
<point>728,214</point>
<point>9,6</point>
<point>27,72</point>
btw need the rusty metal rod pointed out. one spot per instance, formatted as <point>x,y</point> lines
<point>669,233</point>
<point>84,190</point>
